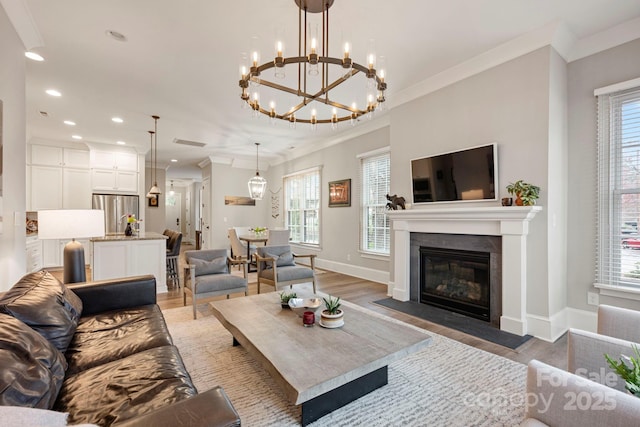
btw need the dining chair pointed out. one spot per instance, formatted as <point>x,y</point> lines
<point>209,275</point>
<point>174,242</point>
<point>277,267</point>
<point>277,237</point>
<point>238,247</point>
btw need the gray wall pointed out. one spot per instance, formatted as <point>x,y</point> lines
<point>612,66</point>
<point>12,94</point>
<point>154,217</point>
<point>508,104</point>
<point>339,227</point>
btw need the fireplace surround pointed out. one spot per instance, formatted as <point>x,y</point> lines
<point>510,224</point>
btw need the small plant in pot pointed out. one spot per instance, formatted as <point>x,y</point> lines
<point>285,297</point>
<point>331,316</point>
<point>628,368</point>
<point>526,194</point>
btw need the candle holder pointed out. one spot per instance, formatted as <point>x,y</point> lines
<point>308,318</point>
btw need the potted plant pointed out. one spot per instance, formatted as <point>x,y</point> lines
<point>628,368</point>
<point>285,297</point>
<point>526,194</point>
<point>331,316</point>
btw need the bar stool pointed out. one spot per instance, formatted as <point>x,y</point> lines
<point>173,252</point>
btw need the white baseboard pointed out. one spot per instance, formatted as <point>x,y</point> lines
<point>377,276</point>
<point>583,319</point>
<point>509,324</point>
<point>550,329</point>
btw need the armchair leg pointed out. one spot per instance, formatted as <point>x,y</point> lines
<point>313,282</point>
<point>258,284</point>
<point>193,297</point>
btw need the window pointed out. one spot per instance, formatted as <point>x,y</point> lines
<point>302,206</point>
<point>375,171</point>
<point>618,260</point>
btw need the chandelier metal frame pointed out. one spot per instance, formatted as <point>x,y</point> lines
<point>313,58</point>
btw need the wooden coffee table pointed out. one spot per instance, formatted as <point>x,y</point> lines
<point>321,369</point>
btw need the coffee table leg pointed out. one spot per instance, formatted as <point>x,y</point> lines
<point>330,401</point>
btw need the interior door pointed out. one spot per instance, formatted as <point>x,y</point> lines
<point>173,212</point>
<point>205,218</point>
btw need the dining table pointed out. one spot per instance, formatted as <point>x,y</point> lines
<point>249,239</point>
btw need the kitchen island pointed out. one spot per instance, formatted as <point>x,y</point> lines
<point>118,255</point>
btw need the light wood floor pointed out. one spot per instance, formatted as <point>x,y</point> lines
<point>364,292</point>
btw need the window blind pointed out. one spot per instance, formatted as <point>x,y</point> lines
<point>618,215</point>
<point>375,183</point>
<point>302,206</point>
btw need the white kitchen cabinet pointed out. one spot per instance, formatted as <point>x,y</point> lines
<point>76,188</point>
<point>59,178</point>
<point>118,160</point>
<point>34,254</point>
<point>46,187</point>
<point>53,251</point>
<point>114,180</point>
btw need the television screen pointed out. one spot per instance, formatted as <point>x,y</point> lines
<point>459,175</point>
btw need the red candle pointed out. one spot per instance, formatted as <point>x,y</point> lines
<point>308,318</point>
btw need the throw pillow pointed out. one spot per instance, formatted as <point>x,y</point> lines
<point>32,368</point>
<point>283,259</point>
<point>44,303</point>
<point>215,266</point>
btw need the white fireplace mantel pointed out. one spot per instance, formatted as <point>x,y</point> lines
<point>512,223</point>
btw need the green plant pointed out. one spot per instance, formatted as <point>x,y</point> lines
<point>332,305</point>
<point>628,368</point>
<point>285,297</point>
<point>528,193</point>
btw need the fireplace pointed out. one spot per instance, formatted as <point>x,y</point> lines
<point>456,280</point>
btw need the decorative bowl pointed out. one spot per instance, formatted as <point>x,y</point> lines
<point>300,305</point>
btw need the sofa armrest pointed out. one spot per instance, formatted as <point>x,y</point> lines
<point>586,352</point>
<point>115,294</point>
<point>559,398</point>
<point>211,408</point>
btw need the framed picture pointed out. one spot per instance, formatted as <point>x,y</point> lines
<point>153,202</point>
<point>239,200</point>
<point>340,193</point>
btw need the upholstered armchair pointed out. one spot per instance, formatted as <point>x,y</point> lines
<point>598,393</point>
<point>208,275</point>
<point>277,267</point>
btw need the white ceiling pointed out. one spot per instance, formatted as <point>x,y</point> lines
<point>182,58</point>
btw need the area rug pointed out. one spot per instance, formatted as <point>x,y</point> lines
<point>459,322</point>
<point>446,384</point>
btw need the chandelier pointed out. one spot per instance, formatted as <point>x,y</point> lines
<point>154,190</point>
<point>313,60</point>
<point>257,184</point>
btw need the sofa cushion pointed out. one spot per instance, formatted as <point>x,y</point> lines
<point>46,305</point>
<point>134,330</point>
<point>126,388</point>
<point>32,369</point>
<point>215,266</point>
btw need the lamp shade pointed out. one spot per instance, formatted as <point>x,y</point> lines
<point>70,223</point>
<point>257,185</point>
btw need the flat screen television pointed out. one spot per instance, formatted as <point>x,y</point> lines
<point>464,175</point>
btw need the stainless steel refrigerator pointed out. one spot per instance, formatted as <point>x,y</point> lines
<point>116,208</point>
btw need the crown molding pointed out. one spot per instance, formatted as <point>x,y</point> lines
<point>20,16</point>
<point>614,36</point>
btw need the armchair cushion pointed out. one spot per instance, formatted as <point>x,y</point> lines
<point>217,282</point>
<point>45,304</point>
<point>296,272</point>
<point>32,368</point>
<point>282,260</point>
<point>215,266</point>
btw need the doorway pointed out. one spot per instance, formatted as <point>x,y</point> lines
<point>173,212</point>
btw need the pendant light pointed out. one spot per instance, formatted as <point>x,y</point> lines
<point>172,191</point>
<point>154,190</point>
<point>257,184</point>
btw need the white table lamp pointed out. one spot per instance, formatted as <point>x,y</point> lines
<point>71,224</point>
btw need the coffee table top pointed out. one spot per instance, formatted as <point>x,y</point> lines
<point>308,362</point>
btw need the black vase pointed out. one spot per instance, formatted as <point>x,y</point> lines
<point>128,231</point>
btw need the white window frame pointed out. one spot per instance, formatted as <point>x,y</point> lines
<point>380,206</point>
<point>299,178</point>
<point>609,257</point>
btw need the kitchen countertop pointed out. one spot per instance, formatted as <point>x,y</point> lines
<point>148,235</point>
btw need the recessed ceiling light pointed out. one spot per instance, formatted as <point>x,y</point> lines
<point>53,92</point>
<point>69,123</point>
<point>174,160</point>
<point>117,120</point>
<point>34,56</point>
<point>44,113</point>
<point>76,137</point>
<point>116,35</point>
<point>121,143</point>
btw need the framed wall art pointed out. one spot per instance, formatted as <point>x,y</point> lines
<point>340,193</point>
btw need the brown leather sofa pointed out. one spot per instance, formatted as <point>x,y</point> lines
<point>100,351</point>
